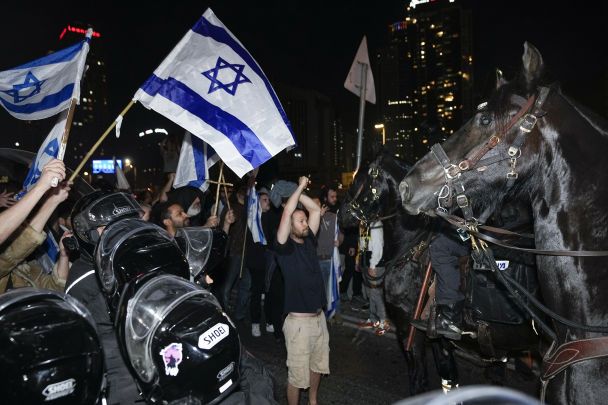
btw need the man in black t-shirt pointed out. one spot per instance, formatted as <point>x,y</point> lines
<point>305,327</point>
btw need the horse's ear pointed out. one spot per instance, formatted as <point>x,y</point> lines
<point>500,80</point>
<point>533,65</point>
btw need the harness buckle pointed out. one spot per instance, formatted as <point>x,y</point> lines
<point>513,151</point>
<point>464,165</point>
<point>452,171</point>
<point>528,123</point>
<point>462,200</point>
<point>512,175</point>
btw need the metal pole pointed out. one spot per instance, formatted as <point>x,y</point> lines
<point>361,113</point>
<point>419,306</point>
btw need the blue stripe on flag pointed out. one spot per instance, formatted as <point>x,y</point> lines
<point>205,28</point>
<point>63,55</point>
<point>241,136</point>
<point>46,103</point>
<point>200,160</point>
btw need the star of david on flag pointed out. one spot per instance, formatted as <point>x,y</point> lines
<point>195,160</point>
<point>211,86</point>
<point>44,87</point>
<point>216,83</point>
<point>48,150</point>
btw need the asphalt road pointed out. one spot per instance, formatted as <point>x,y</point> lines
<point>365,368</point>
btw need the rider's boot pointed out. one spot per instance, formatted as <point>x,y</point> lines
<point>446,323</point>
<point>449,320</point>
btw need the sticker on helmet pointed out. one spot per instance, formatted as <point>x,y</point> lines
<point>225,386</point>
<point>172,357</point>
<point>58,390</point>
<point>213,336</point>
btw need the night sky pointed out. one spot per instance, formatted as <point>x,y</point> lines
<point>309,44</point>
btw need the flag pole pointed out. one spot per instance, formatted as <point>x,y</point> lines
<point>64,137</point>
<point>226,190</point>
<point>100,140</point>
<point>362,88</point>
<point>219,185</point>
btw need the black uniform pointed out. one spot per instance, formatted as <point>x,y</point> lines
<point>82,284</point>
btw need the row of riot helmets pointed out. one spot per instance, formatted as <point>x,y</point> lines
<point>176,340</point>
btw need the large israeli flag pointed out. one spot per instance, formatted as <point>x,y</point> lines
<point>44,87</point>
<point>210,85</point>
<point>254,216</point>
<point>195,160</point>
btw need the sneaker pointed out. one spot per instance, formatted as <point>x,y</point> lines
<point>368,324</point>
<point>269,328</point>
<point>382,328</point>
<point>255,330</point>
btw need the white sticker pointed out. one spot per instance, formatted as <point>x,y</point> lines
<point>58,390</point>
<point>502,264</point>
<point>213,336</point>
<point>225,386</point>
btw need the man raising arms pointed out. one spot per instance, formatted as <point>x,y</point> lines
<point>305,327</point>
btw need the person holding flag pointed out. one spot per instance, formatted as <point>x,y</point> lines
<point>15,272</point>
<point>261,223</point>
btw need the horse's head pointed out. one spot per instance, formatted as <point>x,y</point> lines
<point>483,158</point>
<point>373,194</point>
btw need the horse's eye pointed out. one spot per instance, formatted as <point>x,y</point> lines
<point>485,120</point>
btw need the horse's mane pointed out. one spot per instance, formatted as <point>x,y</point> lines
<point>598,122</point>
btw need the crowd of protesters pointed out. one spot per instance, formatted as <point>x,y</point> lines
<point>270,284</point>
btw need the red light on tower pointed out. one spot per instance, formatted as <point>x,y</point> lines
<point>77,30</point>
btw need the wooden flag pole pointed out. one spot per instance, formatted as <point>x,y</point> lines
<point>100,140</point>
<point>64,138</point>
<point>226,190</point>
<point>217,192</point>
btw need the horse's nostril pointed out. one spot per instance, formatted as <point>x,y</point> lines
<point>404,191</point>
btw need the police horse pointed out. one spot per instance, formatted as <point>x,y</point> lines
<point>502,330</point>
<point>532,142</point>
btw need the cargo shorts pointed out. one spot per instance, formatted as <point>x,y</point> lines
<point>307,342</point>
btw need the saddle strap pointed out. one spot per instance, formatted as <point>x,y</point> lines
<point>573,352</point>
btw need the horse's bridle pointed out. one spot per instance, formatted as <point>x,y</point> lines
<point>526,117</point>
<point>354,208</point>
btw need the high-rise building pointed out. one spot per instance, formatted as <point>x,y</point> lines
<point>425,76</point>
<point>319,136</point>
<point>91,116</point>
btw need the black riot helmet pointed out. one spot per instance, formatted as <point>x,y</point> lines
<point>99,209</point>
<point>49,350</point>
<point>131,247</point>
<point>204,249</point>
<point>179,344</point>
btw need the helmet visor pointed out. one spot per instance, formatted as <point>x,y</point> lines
<point>195,242</point>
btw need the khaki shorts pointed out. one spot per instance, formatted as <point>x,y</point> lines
<point>307,342</point>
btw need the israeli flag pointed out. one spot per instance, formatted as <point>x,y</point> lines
<point>195,159</point>
<point>48,150</point>
<point>48,253</point>
<point>335,276</point>
<point>44,87</point>
<point>254,217</point>
<point>210,85</point>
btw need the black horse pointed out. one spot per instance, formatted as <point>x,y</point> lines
<point>374,196</point>
<point>531,141</point>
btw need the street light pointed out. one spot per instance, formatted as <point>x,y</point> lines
<point>381,126</point>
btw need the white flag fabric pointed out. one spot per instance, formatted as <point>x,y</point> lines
<point>195,160</point>
<point>44,87</point>
<point>48,150</point>
<point>254,217</point>
<point>353,80</point>
<point>211,86</point>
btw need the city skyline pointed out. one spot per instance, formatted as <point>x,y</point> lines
<point>310,45</point>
